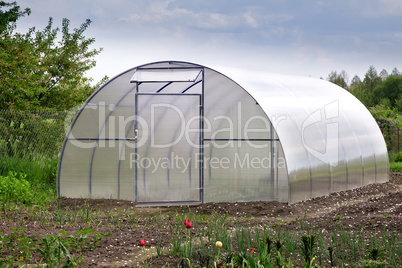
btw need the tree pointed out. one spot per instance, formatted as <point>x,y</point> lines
<point>340,79</point>
<point>383,74</point>
<point>390,89</point>
<point>355,81</point>
<point>9,17</point>
<point>371,78</point>
<point>37,71</point>
<point>395,72</point>
<point>363,95</point>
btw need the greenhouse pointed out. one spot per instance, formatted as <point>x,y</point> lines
<point>182,133</point>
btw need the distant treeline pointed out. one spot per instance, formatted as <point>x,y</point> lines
<point>383,89</point>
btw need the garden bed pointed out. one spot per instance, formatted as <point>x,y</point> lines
<point>355,228</point>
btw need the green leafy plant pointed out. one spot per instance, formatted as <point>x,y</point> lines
<point>55,253</point>
<point>398,157</point>
<point>308,247</point>
<point>15,188</point>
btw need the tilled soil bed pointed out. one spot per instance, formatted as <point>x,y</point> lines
<point>372,211</point>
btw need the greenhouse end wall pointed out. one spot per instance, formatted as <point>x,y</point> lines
<point>182,133</point>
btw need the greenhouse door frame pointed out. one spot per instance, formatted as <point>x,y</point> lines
<point>200,150</point>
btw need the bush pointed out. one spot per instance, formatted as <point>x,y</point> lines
<point>15,188</point>
<point>385,116</point>
<point>398,157</point>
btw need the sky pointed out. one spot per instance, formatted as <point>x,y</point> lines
<point>308,38</point>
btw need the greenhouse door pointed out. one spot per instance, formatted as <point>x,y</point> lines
<point>168,148</point>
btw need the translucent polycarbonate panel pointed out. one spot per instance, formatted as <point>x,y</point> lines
<point>119,124</point>
<point>111,98</point>
<point>324,131</point>
<point>169,87</point>
<point>167,169</point>
<point>75,169</point>
<point>126,171</point>
<point>104,172</point>
<point>100,119</point>
<point>238,173</point>
<point>281,175</point>
<point>363,131</point>
<point>382,167</point>
<point>89,122</point>
<point>114,90</point>
<point>165,75</point>
<point>230,112</point>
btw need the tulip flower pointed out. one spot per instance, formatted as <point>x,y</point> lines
<point>251,250</point>
<point>142,243</point>
<point>218,244</point>
<point>186,221</point>
<point>189,225</point>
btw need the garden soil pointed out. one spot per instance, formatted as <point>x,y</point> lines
<point>370,208</point>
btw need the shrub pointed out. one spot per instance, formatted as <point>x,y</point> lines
<point>385,116</point>
<point>15,188</point>
<point>398,157</point>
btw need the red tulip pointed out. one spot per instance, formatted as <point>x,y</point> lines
<point>189,225</point>
<point>186,221</point>
<point>142,243</point>
<point>252,250</point>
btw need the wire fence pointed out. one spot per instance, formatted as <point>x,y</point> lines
<point>392,137</point>
<point>33,133</point>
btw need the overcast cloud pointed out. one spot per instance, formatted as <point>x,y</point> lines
<point>309,38</point>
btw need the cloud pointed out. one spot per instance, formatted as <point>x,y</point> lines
<point>380,8</point>
<point>250,20</point>
<point>170,14</point>
<point>398,35</point>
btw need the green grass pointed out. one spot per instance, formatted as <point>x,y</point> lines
<point>41,174</point>
<point>395,166</point>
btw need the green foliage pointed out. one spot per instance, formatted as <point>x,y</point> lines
<point>340,79</point>
<point>10,16</point>
<point>17,240</point>
<point>56,250</point>
<point>308,248</point>
<point>385,116</point>
<point>41,69</point>
<point>366,97</point>
<point>390,90</point>
<point>31,133</point>
<point>15,188</point>
<point>41,172</point>
<point>398,157</point>
<point>371,79</point>
<point>55,253</point>
<point>395,166</point>
<point>377,89</point>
